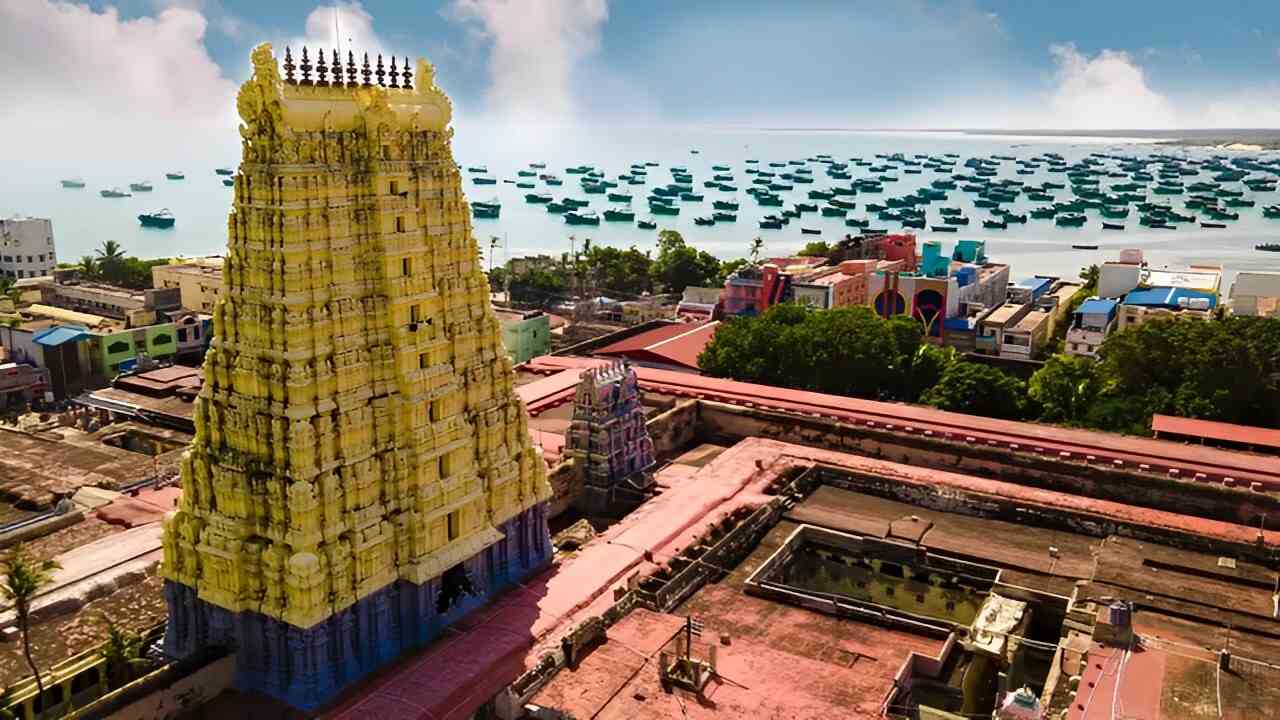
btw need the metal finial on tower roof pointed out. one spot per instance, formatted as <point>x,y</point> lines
<point>305,67</point>
<point>288,66</point>
<point>336,64</point>
<point>381,73</point>
<point>365,72</point>
<point>322,70</point>
<point>351,69</point>
<point>394,74</point>
<point>408,75</point>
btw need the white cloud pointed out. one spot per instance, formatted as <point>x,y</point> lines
<point>219,18</point>
<point>87,86</point>
<point>1106,91</point>
<point>536,48</point>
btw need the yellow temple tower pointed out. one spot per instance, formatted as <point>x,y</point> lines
<point>362,472</point>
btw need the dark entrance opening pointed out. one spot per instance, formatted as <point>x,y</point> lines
<point>454,585</point>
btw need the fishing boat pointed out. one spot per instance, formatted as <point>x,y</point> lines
<point>483,180</point>
<point>552,180</point>
<point>646,225</point>
<point>704,220</point>
<point>229,182</point>
<point>478,169</point>
<point>955,220</point>
<point>157,219</point>
<point>995,225</point>
<point>526,173</point>
<point>1268,247</point>
<point>73,183</point>
<point>1213,226</point>
<point>724,204</point>
<point>916,223</point>
<point>768,224</point>
<point>660,209</point>
<point>114,192</point>
<point>810,231</point>
<point>691,197</point>
<point>537,197</point>
<point>223,171</point>
<point>586,217</point>
<point>943,228</point>
<point>487,210</point>
<point>175,176</point>
<point>615,215</point>
<point>537,165</point>
<point>1070,220</point>
<point>526,185</point>
<point>722,216</point>
<point>806,207</point>
<point>1112,226</point>
<point>558,208</point>
<point>143,186</point>
<point>620,197</point>
<point>829,211</point>
<point>1084,247</point>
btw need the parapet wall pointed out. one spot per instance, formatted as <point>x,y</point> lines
<point>1074,475</point>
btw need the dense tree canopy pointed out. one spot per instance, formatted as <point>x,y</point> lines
<point>680,265</point>
<point>846,351</point>
<point>978,389</point>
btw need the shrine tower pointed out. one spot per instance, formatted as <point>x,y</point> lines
<point>609,442</point>
<point>362,472</point>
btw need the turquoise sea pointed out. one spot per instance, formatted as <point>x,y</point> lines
<point>82,219</point>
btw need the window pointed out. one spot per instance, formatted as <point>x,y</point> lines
<point>423,361</point>
<point>451,521</point>
<point>41,258</point>
<point>8,258</point>
<point>386,152</point>
<point>393,187</point>
<point>400,223</point>
<point>415,313</point>
<point>406,265</point>
<point>162,339</point>
<point>118,346</point>
<point>437,410</point>
<point>30,259</point>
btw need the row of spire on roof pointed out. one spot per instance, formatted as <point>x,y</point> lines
<point>399,78</point>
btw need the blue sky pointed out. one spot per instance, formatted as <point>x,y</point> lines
<point>1083,64</point>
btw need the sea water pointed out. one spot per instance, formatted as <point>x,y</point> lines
<point>82,219</point>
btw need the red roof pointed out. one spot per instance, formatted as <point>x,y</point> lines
<point>678,344</point>
<point>1213,430</point>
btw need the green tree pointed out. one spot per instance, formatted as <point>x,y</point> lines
<point>928,365</point>
<point>25,577</point>
<point>978,389</point>
<point>123,654</point>
<point>757,245</point>
<point>88,267</point>
<point>845,351</point>
<point>1090,277</point>
<point>815,248</point>
<point>729,267</point>
<point>111,261</point>
<point>1065,388</point>
<point>612,270</point>
<point>680,265</point>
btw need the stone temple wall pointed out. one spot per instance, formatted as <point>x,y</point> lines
<point>360,450</point>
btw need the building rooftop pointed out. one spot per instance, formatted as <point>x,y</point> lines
<point>1169,297</point>
<point>95,322</point>
<point>1032,321</point>
<point>1002,315</point>
<point>675,345</point>
<point>1097,306</point>
<point>1193,278</point>
<point>1189,428</point>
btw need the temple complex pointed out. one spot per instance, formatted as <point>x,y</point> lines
<point>609,441</point>
<point>362,472</point>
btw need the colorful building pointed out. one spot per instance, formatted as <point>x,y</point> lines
<point>609,441</point>
<point>1092,323</point>
<point>199,281</point>
<point>362,473</point>
<point>941,290</point>
<point>525,334</point>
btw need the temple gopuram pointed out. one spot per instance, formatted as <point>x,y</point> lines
<point>362,473</point>
<point>609,441</point>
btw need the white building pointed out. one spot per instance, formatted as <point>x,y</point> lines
<point>26,247</point>
<point>1256,293</point>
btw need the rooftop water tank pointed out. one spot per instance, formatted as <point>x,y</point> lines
<point>1118,613</point>
<point>1131,256</point>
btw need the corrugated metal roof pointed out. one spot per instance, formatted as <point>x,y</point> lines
<point>55,336</point>
<point>1214,430</point>
<point>1166,297</point>
<point>1097,307</point>
<point>678,344</point>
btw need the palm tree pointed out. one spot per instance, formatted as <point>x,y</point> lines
<point>493,247</point>
<point>111,259</point>
<point>756,246</point>
<point>88,267</point>
<point>25,576</point>
<point>123,653</point>
<point>10,290</point>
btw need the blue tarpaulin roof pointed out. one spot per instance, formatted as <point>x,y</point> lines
<point>1166,297</point>
<point>55,336</point>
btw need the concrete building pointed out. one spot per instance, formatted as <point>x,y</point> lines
<point>199,281</point>
<point>698,303</point>
<point>137,308</point>
<point>1256,294</point>
<point>755,288</point>
<point>992,326</point>
<point>26,247</point>
<point>1091,323</point>
<point>1165,303</point>
<point>940,291</point>
<point>362,475</point>
<point>525,334</point>
<point>1027,338</point>
<point>1118,278</point>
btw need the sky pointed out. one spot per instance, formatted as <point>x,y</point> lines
<point>150,74</point>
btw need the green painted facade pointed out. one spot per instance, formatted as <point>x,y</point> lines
<point>107,350</point>
<point>526,338</point>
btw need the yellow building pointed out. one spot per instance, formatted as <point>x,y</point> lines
<point>198,279</point>
<point>362,472</point>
